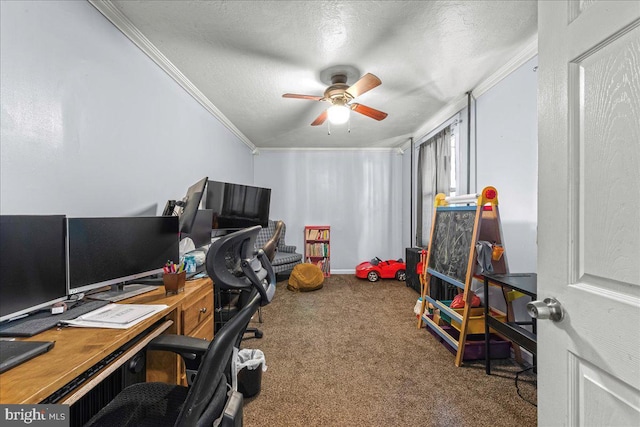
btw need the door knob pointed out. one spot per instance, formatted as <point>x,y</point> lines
<point>550,308</point>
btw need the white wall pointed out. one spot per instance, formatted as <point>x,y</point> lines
<point>507,158</point>
<point>90,126</point>
<point>359,193</point>
<point>504,154</point>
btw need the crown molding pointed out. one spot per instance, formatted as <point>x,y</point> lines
<point>378,149</point>
<point>529,50</point>
<point>117,18</point>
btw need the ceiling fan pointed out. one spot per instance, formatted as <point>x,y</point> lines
<point>341,96</point>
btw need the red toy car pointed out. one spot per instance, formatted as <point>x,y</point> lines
<point>377,268</point>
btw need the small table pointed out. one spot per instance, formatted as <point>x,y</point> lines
<point>522,282</point>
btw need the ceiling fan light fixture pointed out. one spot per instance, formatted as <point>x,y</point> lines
<point>338,114</point>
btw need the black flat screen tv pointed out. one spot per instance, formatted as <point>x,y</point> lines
<point>237,206</point>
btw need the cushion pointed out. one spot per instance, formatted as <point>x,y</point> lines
<point>305,277</point>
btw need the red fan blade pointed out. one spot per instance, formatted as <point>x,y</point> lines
<point>311,97</point>
<point>320,119</point>
<point>368,111</point>
<point>365,84</point>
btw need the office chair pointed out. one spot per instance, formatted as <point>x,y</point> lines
<point>226,270</point>
<point>208,401</point>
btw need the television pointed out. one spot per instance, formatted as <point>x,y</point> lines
<point>237,206</point>
<point>33,264</point>
<point>190,205</point>
<point>117,250</point>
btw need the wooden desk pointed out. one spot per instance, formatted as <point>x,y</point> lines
<point>78,349</point>
<point>522,282</point>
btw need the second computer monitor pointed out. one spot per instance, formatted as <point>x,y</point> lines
<point>115,250</point>
<point>201,231</point>
<point>33,271</point>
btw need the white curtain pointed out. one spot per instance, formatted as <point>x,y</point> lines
<point>434,176</point>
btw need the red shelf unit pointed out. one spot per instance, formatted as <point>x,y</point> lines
<point>317,247</point>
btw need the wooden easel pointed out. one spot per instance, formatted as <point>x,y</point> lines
<point>459,223</point>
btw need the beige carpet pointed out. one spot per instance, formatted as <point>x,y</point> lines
<point>350,354</point>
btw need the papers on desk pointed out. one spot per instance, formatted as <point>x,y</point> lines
<point>116,316</point>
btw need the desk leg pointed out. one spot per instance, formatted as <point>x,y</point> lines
<point>487,347</point>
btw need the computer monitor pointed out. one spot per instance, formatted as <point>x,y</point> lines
<point>201,230</point>
<point>237,206</point>
<point>191,203</point>
<point>33,263</point>
<point>116,250</point>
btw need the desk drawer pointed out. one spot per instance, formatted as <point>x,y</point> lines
<point>197,312</point>
<point>205,330</point>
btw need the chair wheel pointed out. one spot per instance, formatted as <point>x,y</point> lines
<point>258,334</point>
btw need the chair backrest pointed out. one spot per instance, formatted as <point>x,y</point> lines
<point>252,273</point>
<point>265,234</point>
<point>208,393</point>
<point>233,263</point>
<point>271,245</point>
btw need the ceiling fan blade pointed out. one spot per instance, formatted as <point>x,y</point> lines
<point>311,97</point>
<point>368,111</point>
<point>365,84</point>
<point>320,119</point>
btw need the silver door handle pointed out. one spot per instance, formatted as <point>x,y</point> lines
<point>550,308</point>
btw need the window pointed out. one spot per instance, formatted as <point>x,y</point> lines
<point>437,172</point>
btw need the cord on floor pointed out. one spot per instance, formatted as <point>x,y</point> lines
<point>518,388</point>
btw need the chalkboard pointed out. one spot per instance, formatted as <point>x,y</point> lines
<point>451,242</point>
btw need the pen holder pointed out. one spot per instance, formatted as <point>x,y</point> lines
<point>174,282</point>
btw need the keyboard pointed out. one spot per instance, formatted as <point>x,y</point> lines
<point>40,322</point>
<point>128,292</point>
<point>13,353</point>
<point>77,381</point>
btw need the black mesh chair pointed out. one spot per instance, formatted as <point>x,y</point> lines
<point>210,399</point>
<point>230,275</point>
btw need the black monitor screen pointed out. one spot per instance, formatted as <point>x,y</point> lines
<point>201,230</point>
<point>33,272</point>
<point>191,204</point>
<point>107,251</point>
<point>237,206</point>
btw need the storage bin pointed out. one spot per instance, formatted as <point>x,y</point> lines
<point>475,311</point>
<point>474,346</point>
<point>475,324</point>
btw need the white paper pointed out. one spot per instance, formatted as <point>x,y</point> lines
<point>116,316</point>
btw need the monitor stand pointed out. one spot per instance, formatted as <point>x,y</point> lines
<point>122,291</point>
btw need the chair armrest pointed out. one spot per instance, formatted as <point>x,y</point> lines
<point>232,414</point>
<point>179,344</point>
<point>189,348</point>
<point>287,248</point>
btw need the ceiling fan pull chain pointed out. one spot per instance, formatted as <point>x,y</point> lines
<point>329,127</point>
<point>349,125</point>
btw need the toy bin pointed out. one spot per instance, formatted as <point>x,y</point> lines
<point>474,346</point>
<point>475,324</point>
<point>475,311</point>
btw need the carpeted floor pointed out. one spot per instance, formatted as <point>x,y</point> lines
<point>350,354</point>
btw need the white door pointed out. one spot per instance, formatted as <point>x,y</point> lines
<point>589,212</point>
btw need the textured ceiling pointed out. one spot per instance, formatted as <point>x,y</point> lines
<point>243,55</point>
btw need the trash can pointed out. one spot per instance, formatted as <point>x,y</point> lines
<point>249,368</point>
